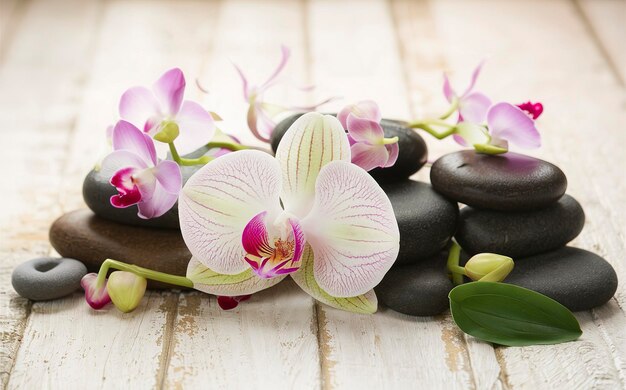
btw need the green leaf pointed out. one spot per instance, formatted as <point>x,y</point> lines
<point>363,304</point>
<point>511,315</point>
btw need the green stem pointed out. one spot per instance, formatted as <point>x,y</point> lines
<point>187,161</point>
<point>453,264</point>
<point>174,153</point>
<point>140,271</point>
<point>425,125</point>
<point>390,141</point>
<point>227,145</point>
<point>452,109</point>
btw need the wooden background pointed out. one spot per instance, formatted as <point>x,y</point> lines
<point>64,64</point>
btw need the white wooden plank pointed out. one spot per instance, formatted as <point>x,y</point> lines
<point>558,64</point>
<point>606,19</point>
<point>270,341</point>
<point>354,54</point>
<point>37,106</point>
<point>137,42</point>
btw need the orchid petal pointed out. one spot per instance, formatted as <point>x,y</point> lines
<point>394,150</point>
<point>254,112</point>
<point>158,204</point>
<point>137,105</point>
<point>169,176</point>
<point>369,157</point>
<point>366,109</point>
<point>475,75</point>
<point>472,133</point>
<point>220,199</point>
<point>169,90</point>
<point>96,297</point>
<point>128,137</point>
<point>364,130</point>
<point>196,127</point>
<point>510,123</point>
<point>119,159</point>
<point>284,58</point>
<point>352,229</point>
<point>473,107</point>
<point>244,80</point>
<point>128,192</point>
<point>304,277</point>
<point>448,92</point>
<point>311,142</point>
<point>459,140</point>
<point>206,280</point>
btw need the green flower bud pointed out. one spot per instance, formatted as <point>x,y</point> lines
<point>168,132</point>
<point>489,267</point>
<point>126,290</point>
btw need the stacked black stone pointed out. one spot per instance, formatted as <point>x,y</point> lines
<point>517,206</point>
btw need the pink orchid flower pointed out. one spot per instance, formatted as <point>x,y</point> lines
<point>96,296</point>
<point>139,177</point>
<point>261,114</point>
<point>151,110</point>
<point>250,220</point>
<point>368,145</point>
<point>472,106</point>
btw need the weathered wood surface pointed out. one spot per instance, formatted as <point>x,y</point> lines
<point>64,64</point>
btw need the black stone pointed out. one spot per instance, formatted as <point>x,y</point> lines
<point>412,155</point>
<point>576,278</point>
<point>426,219</point>
<point>523,233</point>
<point>97,192</point>
<point>507,182</point>
<point>419,289</point>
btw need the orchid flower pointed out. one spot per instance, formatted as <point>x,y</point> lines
<point>261,114</point>
<point>96,293</point>
<point>250,220</point>
<point>162,113</point>
<point>368,145</point>
<point>532,109</point>
<point>472,106</point>
<point>139,177</point>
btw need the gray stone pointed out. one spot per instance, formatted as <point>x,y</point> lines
<point>47,278</point>
<point>97,192</point>
<point>523,233</point>
<point>419,289</point>
<point>426,219</point>
<point>508,182</point>
<point>412,155</point>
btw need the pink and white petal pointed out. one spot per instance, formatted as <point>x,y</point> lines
<point>219,200</point>
<point>254,116</point>
<point>160,203</point>
<point>304,277</point>
<point>459,140</point>
<point>448,92</point>
<point>369,157</point>
<point>352,229</point>
<point>285,53</point>
<point>119,159</point>
<point>394,150</point>
<point>128,192</point>
<point>364,130</point>
<point>510,123</point>
<point>128,137</point>
<point>366,109</point>
<point>475,75</point>
<point>137,105</point>
<point>244,283</point>
<point>473,107</point>
<point>472,133</point>
<point>244,81</point>
<point>299,239</point>
<point>196,126</point>
<point>169,176</point>
<point>313,141</point>
<point>169,90</point>
<point>146,182</point>
<point>255,238</point>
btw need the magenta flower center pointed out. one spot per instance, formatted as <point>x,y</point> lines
<point>532,109</point>
<point>128,192</point>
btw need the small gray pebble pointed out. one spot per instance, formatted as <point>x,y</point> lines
<point>47,278</point>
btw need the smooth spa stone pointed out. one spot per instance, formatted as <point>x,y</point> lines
<point>47,278</point>
<point>412,155</point>
<point>419,289</point>
<point>576,278</point>
<point>507,182</point>
<point>84,236</point>
<point>97,192</point>
<point>522,233</point>
<point>426,219</point>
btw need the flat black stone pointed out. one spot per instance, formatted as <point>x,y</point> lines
<point>523,233</point>
<point>576,278</point>
<point>412,155</point>
<point>419,289</point>
<point>508,182</point>
<point>97,192</point>
<point>426,219</point>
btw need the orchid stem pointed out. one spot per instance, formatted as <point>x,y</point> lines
<point>140,271</point>
<point>453,107</point>
<point>227,145</point>
<point>453,264</point>
<point>425,125</point>
<point>187,161</point>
